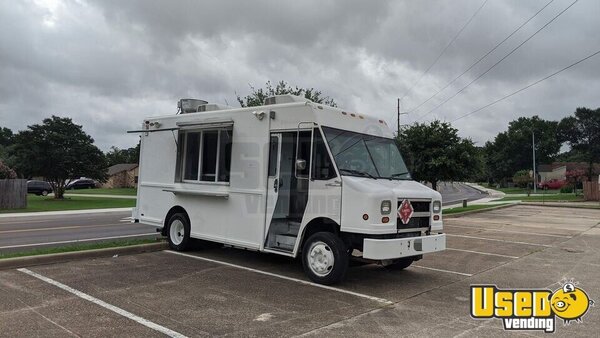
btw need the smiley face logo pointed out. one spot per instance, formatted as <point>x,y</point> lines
<point>570,303</point>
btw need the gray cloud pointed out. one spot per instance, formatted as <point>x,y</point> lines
<point>108,64</point>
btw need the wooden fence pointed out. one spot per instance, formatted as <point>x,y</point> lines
<point>591,191</point>
<point>13,194</point>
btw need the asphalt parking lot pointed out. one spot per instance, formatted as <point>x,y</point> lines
<point>228,292</point>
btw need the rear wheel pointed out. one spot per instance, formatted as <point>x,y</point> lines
<point>44,192</point>
<point>325,258</point>
<point>179,232</point>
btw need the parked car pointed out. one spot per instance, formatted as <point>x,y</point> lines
<point>83,183</point>
<point>39,187</point>
<point>552,184</point>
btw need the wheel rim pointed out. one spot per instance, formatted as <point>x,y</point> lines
<point>320,259</point>
<point>44,193</point>
<point>177,232</point>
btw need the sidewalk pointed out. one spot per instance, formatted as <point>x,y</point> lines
<point>64,212</point>
<point>98,195</point>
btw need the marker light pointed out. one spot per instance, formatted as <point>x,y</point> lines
<point>437,207</point>
<point>386,207</point>
<point>385,219</point>
<point>365,217</point>
<point>436,217</point>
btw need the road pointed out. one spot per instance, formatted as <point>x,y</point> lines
<point>453,193</point>
<point>230,292</point>
<point>27,232</point>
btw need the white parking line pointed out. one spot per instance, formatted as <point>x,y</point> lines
<point>380,300</point>
<point>75,241</point>
<point>105,305</point>
<point>482,253</point>
<point>509,231</point>
<point>442,270</point>
<point>498,240</point>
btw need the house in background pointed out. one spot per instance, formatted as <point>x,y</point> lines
<point>124,175</point>
<point>558,170</point>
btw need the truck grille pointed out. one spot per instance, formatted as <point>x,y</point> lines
<point>421,215</point>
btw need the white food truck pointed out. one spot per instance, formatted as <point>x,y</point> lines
<point>292,178</point>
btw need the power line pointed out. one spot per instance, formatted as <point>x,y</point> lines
<point>444,50</point>
<point>499,61</point>
<point>481,58</point>
<point>528,86</point>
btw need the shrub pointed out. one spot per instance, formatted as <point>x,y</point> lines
<point>567,189</point>
<point>6,172</point>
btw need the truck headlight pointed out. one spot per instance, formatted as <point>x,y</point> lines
<point>386,207</point>
<point>437,207</point>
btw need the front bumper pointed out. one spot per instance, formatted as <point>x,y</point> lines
<point>378,249</point>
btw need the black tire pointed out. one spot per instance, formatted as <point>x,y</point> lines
<point>331,243</point>
<point>44,193</point>
<point>400,263</point>
<point>180,242</point>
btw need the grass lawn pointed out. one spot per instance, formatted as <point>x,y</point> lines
<point>509,191</point>
<point>547,198</point>
<point>78,247</point>
<point>40,203</point>
<point>470,208</point>
<point>104,191</point>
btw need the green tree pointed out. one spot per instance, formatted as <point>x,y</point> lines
<point>117,156</point>
<point>59,151</point>
<point>434,152</point>
<point>511,150</point>
<point>6,137</point>
<point>258,96</point>
<point>582,133</point>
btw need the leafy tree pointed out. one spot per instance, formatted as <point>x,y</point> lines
<point>6,171</point>
<point>117,156</point>
<point>6,137</point>
<point>511,150</point>
<point>434,152</point>
<point>59,151</point>
<point>258,96</point>
<point>522,179</point>
<point>582,133</point>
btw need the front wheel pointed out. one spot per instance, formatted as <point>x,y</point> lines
<point>325,258</point>
<point>179,232</point>
<point>44,192</point>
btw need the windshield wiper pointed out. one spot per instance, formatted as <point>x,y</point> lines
<point>358,172</point>
<point>399,174</point>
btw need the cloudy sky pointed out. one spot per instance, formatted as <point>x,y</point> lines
<point>108,64</point>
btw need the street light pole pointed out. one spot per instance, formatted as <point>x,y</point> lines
<point>534,172</point>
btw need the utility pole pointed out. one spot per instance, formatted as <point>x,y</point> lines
<point>399,113</point>
<point>534,172</point>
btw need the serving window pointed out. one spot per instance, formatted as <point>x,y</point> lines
<point>205,155</point>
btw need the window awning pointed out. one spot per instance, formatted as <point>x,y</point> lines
<point>188,125</point>
<point>205,124</point>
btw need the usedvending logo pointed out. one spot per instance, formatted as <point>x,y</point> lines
<point>530,309</point>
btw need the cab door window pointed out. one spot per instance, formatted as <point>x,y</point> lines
<point>322,165</point>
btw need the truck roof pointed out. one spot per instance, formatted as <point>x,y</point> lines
<point>286,116</point>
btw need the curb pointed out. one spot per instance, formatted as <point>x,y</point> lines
<point>460,214</point>
<point>574,206</point>
<point>19,262</point>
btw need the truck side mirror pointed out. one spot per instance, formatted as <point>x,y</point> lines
<point>300,164</point>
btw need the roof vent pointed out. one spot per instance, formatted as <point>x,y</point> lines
<point>212,107</point>
<point>279,99</point>
<point>187,106</point>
